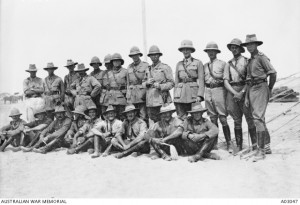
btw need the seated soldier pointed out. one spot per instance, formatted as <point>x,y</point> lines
<point>199,134</point>
<point>84,139</point>
<point>104,132</point>
<point>131,136</point>
<point>50,113</point>
<point>13,132</point>
<point>51,137</point>
<point>33,129</point>
<point>80,119</point>
<point>168,132</point>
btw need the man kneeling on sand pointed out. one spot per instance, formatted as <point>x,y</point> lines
<point>51,137</point>
<point>130,139</point>
<point>84,138</point>
<point>199,135</point>
<point>13,132</point>
<point>34,129</point>
<point>105,131</point>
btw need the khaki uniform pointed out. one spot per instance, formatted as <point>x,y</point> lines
<point>54,91</point>
<point>69,98</point>
<point>259,68</point>
<point>188,86</point>
<point>215,92</point>
<point>86,88</point>
<point>75,126</point>
<point>203,126</point>
<point>136,92</point>
<point>98,75</point>
<point>33,99</point>
<point>15,128</point>
<point>235,72</point>
<point>155,98</point>
<point>104,90</point>
<point>115,93</point>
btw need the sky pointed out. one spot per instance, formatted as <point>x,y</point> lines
<point>42,31</point>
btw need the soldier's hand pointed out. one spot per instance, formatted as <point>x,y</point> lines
<point>90,134</point>
<point>247,102</point>
<point>238,96</point>
<point>199,99</point>
<point>270,92</point>
<point>192,137</point>
<point>156,85</point>
<point>126,147</point>
<point>80,140</point>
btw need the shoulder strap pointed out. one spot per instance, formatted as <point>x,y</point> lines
<point>235,68</point>
<point>211,73</point>
<point>134,72</point>
<point>189,75</point>
<point>47,84</point>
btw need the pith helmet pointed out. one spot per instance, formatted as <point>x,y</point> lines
<point>109,108</point>
<point>81,67</point>
<point>39,111</point>
<point>50,66</point>
<point>187,44</point>
<point>251,38</point>
<point>212,46</point>
<point>107,58</point>
<point>15,112</point>
<point>236,42</point>
<point>70,63</point>
<point>91,106</point>
<point>117,56</point>
<point>197,107</point>
<point>154,50</point>
<point>168,108</point>
<point>135,51</point>
<point>32,68</point>
<point>95,59</point>
<point>80,109</point>
<point>59,109</point>
<point>130,108</point>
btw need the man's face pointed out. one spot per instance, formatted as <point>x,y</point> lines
<point>33,74</point>
<point>235,50</point>
<point>212,54</point>
<point>71,68</point>
<point>197,115</point>
<point>82,73</point>
<point>130,115</point>
<point>96,65</point>
<point>50,71</point>
<point>60,115</point>
<point>117,63</point>
<point>135,58</point>
<point>251,47</point>
<point>108,65</point>
<point>40,116</point>
<point>111,115</point>
<point>186,52</point>
<point>15,118</point>
<point>166,116</point>
<point>92,114</point>
<point>154,58</point>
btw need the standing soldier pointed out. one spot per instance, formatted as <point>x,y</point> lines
<point>98,74</point>
<point>215,92</point>
<point>33,90</point>
<point>259,92</point>
<point>53,87</point>
<point>158,82</point>
<point>68,80</point>
<point>189,80</point>
<point>234,80</point>
<point>116,94</point>
<point>85,87</point>
<point>136,92</point>
<point>105,83</point>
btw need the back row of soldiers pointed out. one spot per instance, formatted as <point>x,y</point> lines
<point>238,87</point>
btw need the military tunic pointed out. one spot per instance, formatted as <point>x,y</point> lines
<point>136,92</point>
<point>235,73</point>
<point>104,90</point>
<point>68,80</point>
<point>15,128</point>
<point>33,99</point>
<point>132,130</point>
<point>156,97</point>
<point>98,74</point>
<point>189,84</point>
<point>54,91</point>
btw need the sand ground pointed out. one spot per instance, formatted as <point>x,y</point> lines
<point>78,176</point>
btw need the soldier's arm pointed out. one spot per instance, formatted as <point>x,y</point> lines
<point>177,74</point>
<point>200,80</point>
<point>140,137</point>
<point>48,129</point>
<point>270,70</point>
<point>177,133</point>
<point>6,128</point>
<point>62,89</point>
<point>26,88</point>
<point>39,127</point>
<point>213,130</point>
<point>226,77</point>
<point>169,84</point>
<point>62,131</point>
<point>96,86</point>
<point>39,89</point>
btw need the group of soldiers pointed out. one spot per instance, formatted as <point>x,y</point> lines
<point>128,111</point>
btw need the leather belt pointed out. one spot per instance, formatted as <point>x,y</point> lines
<point>214,85</point>
<point>117,88</point>
<point>188,80</point>
<point>257,81</point>
<point>237,83</point>
<point>52,93</point>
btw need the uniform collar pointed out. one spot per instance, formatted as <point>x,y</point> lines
<point>211,62</point>
<point>234,59</point>
<point>188,60</point>
<point>156,64</point>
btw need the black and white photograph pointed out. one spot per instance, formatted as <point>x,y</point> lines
<point>149,99</point>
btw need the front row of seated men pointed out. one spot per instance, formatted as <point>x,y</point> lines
<point>195,137</point>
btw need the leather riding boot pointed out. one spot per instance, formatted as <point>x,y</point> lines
<point>49,147</point>
<point>199,154</point>
<point>84,145</point>
<point>159,151</point>
<point>267,143</point>
<point>96,147</point>
<point>5,144</point>
<point>226,131</point>
<point>129,151</point>
<point>107,151</point>
<point>260,155</point>
<point>216,141</point>
<point>238,132</point>
<point>35,147</point>
<point>253,137</point>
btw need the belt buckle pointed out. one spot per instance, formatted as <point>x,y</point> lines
<point>184,80</point>
<point>211,85</point>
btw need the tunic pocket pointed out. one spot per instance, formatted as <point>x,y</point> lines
<point>177,90</point>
